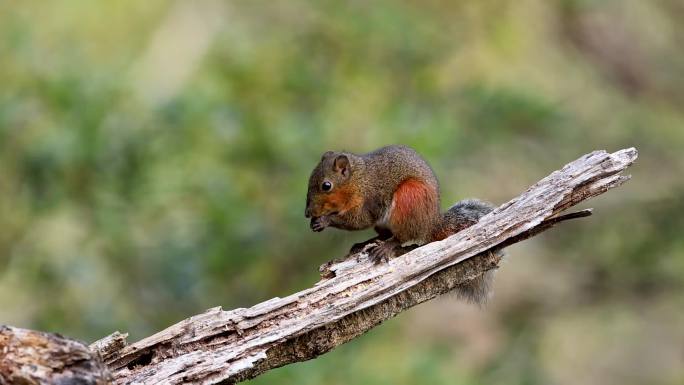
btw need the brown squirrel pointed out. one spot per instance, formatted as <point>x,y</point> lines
<point>394,190</point>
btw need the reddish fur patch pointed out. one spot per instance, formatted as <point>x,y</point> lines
<point>342,200</point>
<point>409,196</point>
<point>415,205</point>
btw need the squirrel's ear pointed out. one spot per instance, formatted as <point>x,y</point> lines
<point>341,165</point>
<point>326,155</point>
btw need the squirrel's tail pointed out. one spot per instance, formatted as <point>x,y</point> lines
<point>464,214</point>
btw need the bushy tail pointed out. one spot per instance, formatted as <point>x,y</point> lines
<point>464,214</point>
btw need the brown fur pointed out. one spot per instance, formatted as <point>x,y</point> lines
<point>393,190</point>
<point>346,199</point>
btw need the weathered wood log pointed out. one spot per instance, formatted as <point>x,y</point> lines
<point>29,357</point>
<point>354,294</point>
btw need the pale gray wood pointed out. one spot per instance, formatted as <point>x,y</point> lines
<point>28,357</point>
<point>354,295</point>
<point>241,343</point>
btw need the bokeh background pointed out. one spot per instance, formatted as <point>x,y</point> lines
<point>154,157</point>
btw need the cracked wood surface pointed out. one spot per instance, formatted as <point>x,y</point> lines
<point>28,357</point>
<point>355,295</point>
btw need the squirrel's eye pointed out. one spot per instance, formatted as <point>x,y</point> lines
<point>326,186</point>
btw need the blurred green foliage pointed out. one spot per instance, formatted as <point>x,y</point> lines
<point>154,158</point>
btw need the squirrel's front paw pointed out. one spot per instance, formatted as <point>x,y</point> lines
<point>319,223</point>
<point>382,251</point>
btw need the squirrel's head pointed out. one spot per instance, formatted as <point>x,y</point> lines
<point>329,192</point>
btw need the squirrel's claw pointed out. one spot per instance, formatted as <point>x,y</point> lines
<point>382,251</point>
<point>357,247</point>
<point>363,246</point>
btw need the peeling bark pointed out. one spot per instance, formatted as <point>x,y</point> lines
<point>29,357</point>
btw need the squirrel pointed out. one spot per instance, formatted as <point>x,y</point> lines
<point>394,190</point>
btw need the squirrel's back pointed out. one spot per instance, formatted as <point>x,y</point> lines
<point>396,163</point>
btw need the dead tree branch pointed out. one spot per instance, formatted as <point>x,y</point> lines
<point>354,296</point>
<point>31,357</point>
